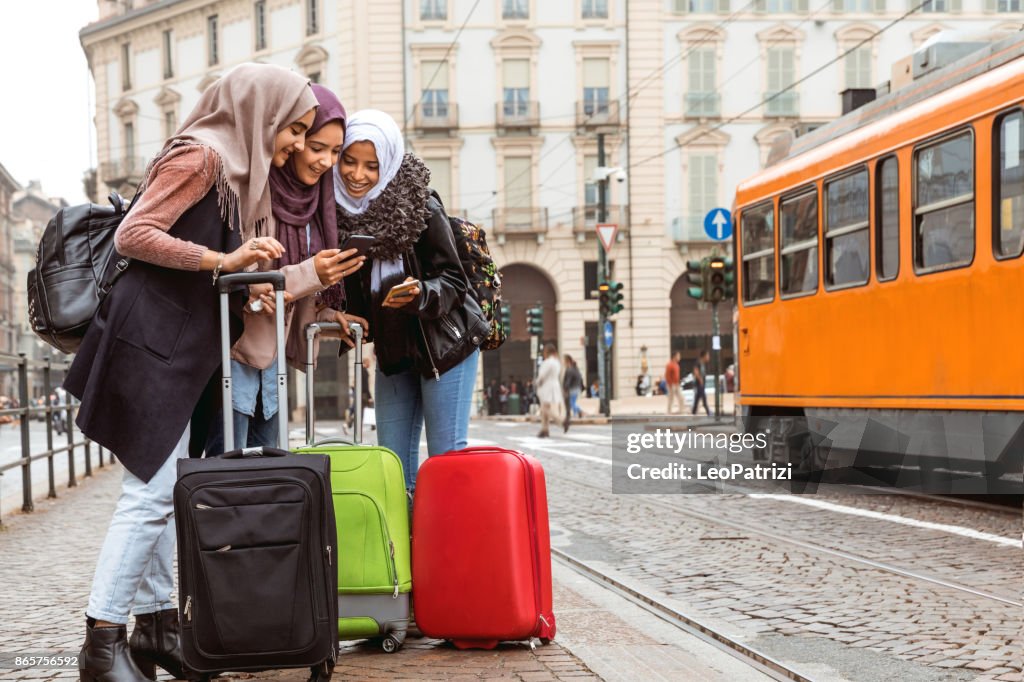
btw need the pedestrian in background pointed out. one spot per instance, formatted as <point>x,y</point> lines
<point>700,376</point>
<point>549,387</point>
<point>572,384</point>
<point>672,388</point>
<point>426,336</point>
<point>147,360</point>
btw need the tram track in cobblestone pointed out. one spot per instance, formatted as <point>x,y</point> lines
<point>810,546</point>
<point>692,625</point>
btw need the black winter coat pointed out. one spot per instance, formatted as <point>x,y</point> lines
<point>152,353</point>
<point>438,330</point>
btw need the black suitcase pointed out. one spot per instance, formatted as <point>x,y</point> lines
<point>256,535</point>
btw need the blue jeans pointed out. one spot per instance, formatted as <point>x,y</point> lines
<point>574,409</point>
<point>250,432</point>
<point>135,570</point>
<point>406,400</point>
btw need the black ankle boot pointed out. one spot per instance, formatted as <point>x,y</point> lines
<point>104,656</point>
<point>156,641</point>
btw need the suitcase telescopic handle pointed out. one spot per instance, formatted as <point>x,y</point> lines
<point>225,283</point>
<point>312,330</point>
<point>254,452</point>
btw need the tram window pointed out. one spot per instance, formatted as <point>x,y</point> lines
<point>847,243</point>
<point>798,244</point>
<point>1008,224</point>
<point>887,235</point>
<point>944,204</point>
<point>758,233</point>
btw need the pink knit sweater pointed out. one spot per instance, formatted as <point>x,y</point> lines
<point>176,183</point>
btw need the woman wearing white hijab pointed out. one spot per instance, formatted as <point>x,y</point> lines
<point>426,340</point>
<point>148,359</point>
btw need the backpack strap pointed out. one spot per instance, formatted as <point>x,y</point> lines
<point>122,262</point>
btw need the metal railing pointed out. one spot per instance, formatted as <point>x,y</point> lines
<point>703,104</point>
<point>517,115</point>
<point>584,218</point>
<point>128,169</point>
<point>436,116</point>
<point>523,220</point>
<point>23,413</point>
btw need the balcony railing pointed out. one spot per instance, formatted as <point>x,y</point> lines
<point>433,117</point>
<point>703,105</point>
<point>590,114</point>
<point>783,104</point>
<point>519,221</point>
<point>584,218</point>
<point>128,171</point>
<point>517,116</point>
<point>689,227</point>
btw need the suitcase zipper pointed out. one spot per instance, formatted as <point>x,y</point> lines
<point>389,545</point>
<point>329,563</point>
<point>188,608</point>
<point>394,568</point>
<point>531,499</point>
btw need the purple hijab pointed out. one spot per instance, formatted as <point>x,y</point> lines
<point>296,204</point>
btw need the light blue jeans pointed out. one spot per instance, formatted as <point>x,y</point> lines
<point>135,571</point>
<point>405,401</point>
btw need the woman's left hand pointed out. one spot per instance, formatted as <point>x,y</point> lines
<point>262,300</point>
<point>403,299</point>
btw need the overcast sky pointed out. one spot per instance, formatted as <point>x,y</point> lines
<point>46,90</point>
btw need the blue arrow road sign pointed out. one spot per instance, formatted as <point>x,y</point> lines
<point>718,224</point>
<point>608,334</point>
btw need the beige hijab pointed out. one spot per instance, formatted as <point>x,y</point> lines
<point>239,116</point>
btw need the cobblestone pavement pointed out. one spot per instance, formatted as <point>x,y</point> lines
<point>787,598</point>
<point>46,565</point>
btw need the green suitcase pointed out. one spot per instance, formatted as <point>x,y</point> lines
<point>372,513</point>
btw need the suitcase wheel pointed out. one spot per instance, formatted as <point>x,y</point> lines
<point>390,644</point>
<point>321,672</point>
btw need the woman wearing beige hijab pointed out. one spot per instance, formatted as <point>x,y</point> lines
<point>149,362</point>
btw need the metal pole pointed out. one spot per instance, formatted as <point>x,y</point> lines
<point>49,429</point>
<point>603,352</point>
<point>357,399</point>
<point>715,360</point>
<point>26,445</point>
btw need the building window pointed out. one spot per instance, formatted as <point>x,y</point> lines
<point>1010,6</point>
<point>935,6</point>
<point>758,234</point>
<point>701,97</point>
<point>515,9</point>
<point>944,203</point>
<point>859,6</point>
<point>260,24</point>
<point>781,75</point>
<point>433,10</point>
<point>518,182</point>
<point>212,47</point>
<point>1008,226</point>
<point>590,188</point>
<point>170,124</point>
<point>312,17</point>
<point>847,247</point>
<point>126,66</point>
<point>701,6</point>
<point>441,180</point>
<point>595,9</point>
<point>595,86</point>
<point>590,292</point>
<point>887,235</point>
<point>129,141</point>
<point>516,87</point>
<point>857,65</point>
<point>434,76</point>
<point>701,191</point>
<point>168,45</point>
<point>798,243</point>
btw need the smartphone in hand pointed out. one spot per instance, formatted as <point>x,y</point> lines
<point>359,242</point>
<point>399,289</point>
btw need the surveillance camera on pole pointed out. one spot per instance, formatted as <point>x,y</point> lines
<point>605,173</point>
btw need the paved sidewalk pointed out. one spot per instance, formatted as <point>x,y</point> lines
<point>46,565</point>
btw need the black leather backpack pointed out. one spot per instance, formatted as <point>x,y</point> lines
<point>76,264</point>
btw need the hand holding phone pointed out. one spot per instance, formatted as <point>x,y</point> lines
<point>359,242</point>
<point>332,265</point>
<point>402,294</point>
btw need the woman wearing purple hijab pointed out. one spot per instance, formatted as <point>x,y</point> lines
<point>303,206</point>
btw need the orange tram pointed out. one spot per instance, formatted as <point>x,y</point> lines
<point>881,278</point>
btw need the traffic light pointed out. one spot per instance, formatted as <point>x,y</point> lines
<point>506,319</point>
<point>535,321</point>
<point>614,297</point>
<point>715,291</point>
<point>695,275</point>
<point>730,279</point>
<point>604,298</point>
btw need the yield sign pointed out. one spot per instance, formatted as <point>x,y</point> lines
<point>606,233</point>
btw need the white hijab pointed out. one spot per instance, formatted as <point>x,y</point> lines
<point>371,125</point>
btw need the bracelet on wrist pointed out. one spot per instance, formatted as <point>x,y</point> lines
<point>220,264</point>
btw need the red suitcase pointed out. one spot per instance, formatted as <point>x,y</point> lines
<point>481,552</point>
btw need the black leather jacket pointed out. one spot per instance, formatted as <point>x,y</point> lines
<point>439,329</point>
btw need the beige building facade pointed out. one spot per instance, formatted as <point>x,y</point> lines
<point>504,100</point>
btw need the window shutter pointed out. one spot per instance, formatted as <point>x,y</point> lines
<point>880,6</point>
<point>801,6</point>
<point>518,182</point>
<point>955,5</point>
<point>723,6</point>
<point>990,5</point>
<point>760,6</point>
<point>428,77</point>
<point>516,73</point>
<point>838,6</point>
<point>595,73</point>
<point>441,179</point>
<point>681,6</point>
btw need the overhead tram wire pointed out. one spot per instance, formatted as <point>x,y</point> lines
<point>442,62</point>
<point>766,100</point>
